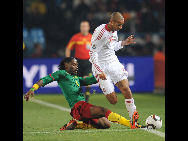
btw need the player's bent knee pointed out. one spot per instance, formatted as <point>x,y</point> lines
<point>113,101</point>
<point>107,124</point>
<point>103,123</point>
<point>125,88</point>
<point>112,98</point>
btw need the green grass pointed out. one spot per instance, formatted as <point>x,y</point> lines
<point>42,122</point>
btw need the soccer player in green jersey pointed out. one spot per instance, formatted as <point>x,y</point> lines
<point>81,110</point>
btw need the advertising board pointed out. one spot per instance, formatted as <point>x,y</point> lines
<point>140,74</point>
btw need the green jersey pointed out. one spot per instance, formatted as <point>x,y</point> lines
<point>69,84</point>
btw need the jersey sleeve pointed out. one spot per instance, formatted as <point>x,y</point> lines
<point>113,42</point>
<point>118,46</point>
<point>87,81</point>
<point>71,43</point>
<point>55,76</point>
<point>97,42</point>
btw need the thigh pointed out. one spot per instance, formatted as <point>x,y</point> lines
<point>85,110</point>
<point>98,111</point>
<point>122,84</point>
<point>118,72</point>
<point>81,111</point>
<point>107,86</point>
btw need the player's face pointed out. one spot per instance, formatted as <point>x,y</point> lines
<point>84,28</point>
<point>118,25</point>
<point>73,67</point>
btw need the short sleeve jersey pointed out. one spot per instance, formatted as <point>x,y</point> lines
<point>69,84</point>
<point>81,44</point>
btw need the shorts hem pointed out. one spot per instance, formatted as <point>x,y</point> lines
<point>123,77</point>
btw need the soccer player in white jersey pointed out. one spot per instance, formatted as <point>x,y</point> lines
<point>106,67</point>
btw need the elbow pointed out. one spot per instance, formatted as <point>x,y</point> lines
<point>67,52</point>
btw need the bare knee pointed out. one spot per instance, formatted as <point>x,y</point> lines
<point>103,123</point>
<point>112,98</point>
<point>114,101</point>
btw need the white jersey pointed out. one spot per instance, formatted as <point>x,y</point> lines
<point>104,43</point>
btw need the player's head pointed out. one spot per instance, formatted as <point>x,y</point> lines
<point>84,27</point>
<point>116,21</point>
<point>69,64</point>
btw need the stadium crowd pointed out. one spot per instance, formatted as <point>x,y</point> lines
<point>60,19</point>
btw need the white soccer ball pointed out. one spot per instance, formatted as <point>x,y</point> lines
<point>153,122</point>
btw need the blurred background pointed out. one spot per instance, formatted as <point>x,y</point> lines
<point>48,26</point>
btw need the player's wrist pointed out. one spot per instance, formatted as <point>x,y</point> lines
<point>123,43</point>
<point>35,87</point>
<point>32,89</point>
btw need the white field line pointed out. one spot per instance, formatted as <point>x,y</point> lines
<point>83,131</point>
<point>161,134</point>
<point>50,105</point>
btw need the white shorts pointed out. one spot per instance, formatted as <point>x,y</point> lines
<point>114,71</point>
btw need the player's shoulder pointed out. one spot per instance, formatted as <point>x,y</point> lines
<point>89,34</point>
<point>62,72</point>
<point>100,28</point>
<point>76,35</point>
<point>100,32</point>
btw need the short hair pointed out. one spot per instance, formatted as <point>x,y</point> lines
<point>115,16</point>
<point>63,61</point>
<point>83,22</point>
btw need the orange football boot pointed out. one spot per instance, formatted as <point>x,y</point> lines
<point>134,120</point>
<point>70,125</point>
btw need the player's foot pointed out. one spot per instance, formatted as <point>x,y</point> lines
<point>70,125</point>
<point>134,120</point>
<point>140,126</point>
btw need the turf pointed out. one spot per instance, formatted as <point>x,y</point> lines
<point>42,122</point>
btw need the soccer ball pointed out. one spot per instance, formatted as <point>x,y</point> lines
<point>153,122</point>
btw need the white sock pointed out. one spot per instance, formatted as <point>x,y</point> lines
<point>130,107</point>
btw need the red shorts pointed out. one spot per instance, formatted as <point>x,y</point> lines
<point>81,111</point>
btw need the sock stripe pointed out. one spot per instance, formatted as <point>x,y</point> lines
<point>107,113</point>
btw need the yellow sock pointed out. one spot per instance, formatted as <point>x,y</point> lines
<point>113,117</point>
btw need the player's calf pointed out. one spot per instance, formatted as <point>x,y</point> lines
<point>98,112</point>
<point>112,98</point>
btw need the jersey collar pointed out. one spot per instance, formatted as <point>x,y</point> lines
<point>107,27</point>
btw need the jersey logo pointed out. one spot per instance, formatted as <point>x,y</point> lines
<point>111,39</point>
<point>104,90</point>
<point>94,47</point>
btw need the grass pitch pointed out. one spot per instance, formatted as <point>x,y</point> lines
<point>42,122</point>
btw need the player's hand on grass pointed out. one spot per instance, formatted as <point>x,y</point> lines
<point>102,76</point>
<point>27,95</point>
<point>128,41</point>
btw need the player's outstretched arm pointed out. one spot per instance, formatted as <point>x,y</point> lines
<point>128,41</point>
<point>37,85</point>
